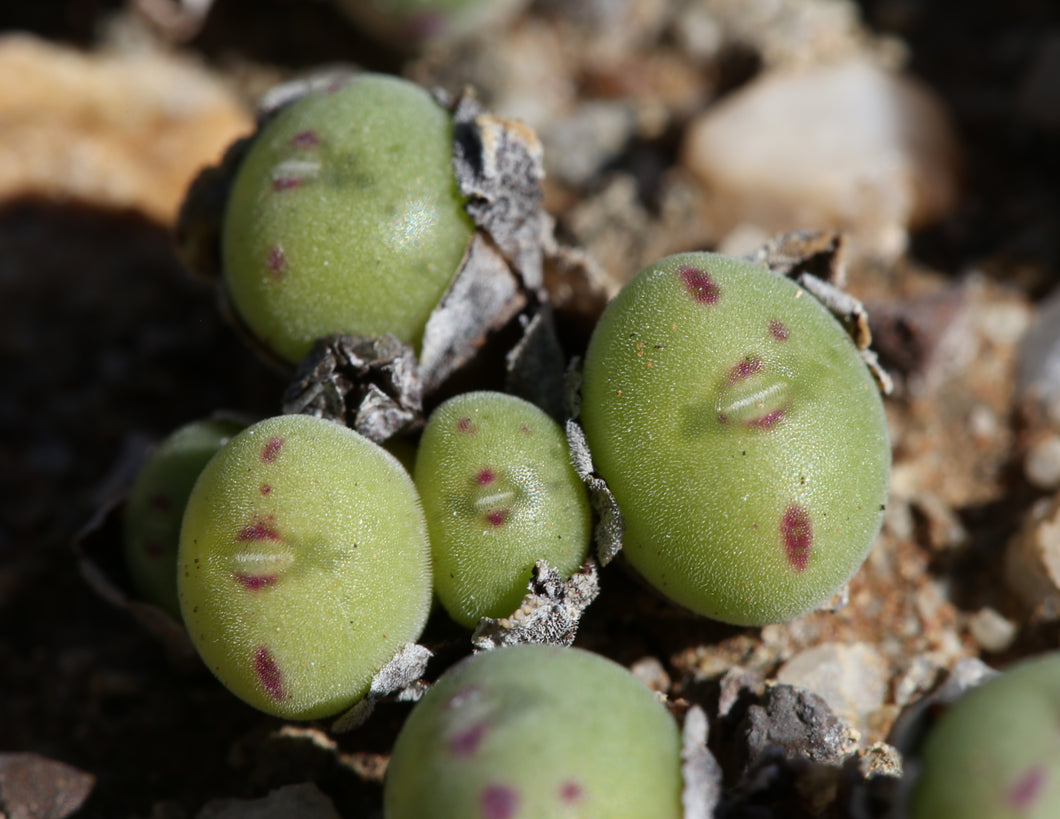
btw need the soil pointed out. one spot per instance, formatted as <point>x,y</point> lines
<point>106,343</point>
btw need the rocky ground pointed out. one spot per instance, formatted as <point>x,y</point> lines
<point>928,132</point>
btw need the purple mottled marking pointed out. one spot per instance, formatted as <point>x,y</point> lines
<point>498,802</point>
<point>497,518</point>
<point>276,261</point>
<point>305,139</point>
<point>485,477</point>
<point>1026,790</point>
<point>272,449</point>
<point>423,26</point>
<point>154,548</point>
<point>525,429</point>
<point>797,531</point>
<point>700,285</point>
<point>161,503</point>
<point>269,673</point>
<point>260,529</point>
<point>465,425</point>
<point>286,183</point>
<point>466,742</point>
<point>266,489</point>
<point>254,582</point>
<point>745,369</point>
<point>570,792</point>
<point>778,330</point>
<point>767,421</point>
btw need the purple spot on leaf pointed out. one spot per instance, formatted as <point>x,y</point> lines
<point>260,529</point>
<point>465,425</point>
<point>778,330</point>
<point>266,489</point>
<point>767,421</point>
<point>797,531</point>
<point>254,582</point>
<point>485,477</point>
<point>272,449</point>
<point>1025,790</point>
<point>154,548</point>
<point>745,369</point>
<point>498,802</point>
<point>466,742</point>
<point>497,517</point>
<point>700,285</point>
<point>286,183</point>
<point>570,792</point>
<point>276,262</point>
<point>161,503</point>
<point>424,26</point>
<point>305,139</point>
<point>269,673</point>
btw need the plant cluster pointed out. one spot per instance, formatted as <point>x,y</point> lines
<point>728,414</point>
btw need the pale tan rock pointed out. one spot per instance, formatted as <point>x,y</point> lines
<point>1032,559</point>
<point>116,130</point>
<point>851,678</point>
<point>845,146</point>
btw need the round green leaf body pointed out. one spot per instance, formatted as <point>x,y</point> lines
<point>411,24</point>
<point>742,435</point>
<point>345,217</point>
<point>996,753</point>
<point>156,504</point>
<point>535,732</point>
<point>500,493</point>
<point>304,565</point>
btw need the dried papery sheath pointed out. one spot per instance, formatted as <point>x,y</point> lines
<point>369,384</point>
<point>549,614</point>
<point>97,548</point>
<point>607,533</point>
<point>128,550</point>
<point>536,364</point>
<point>484,296</point>
<point>400,680</point>
<point>499,168</point>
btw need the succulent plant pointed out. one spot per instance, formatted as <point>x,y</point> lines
<point>500,493</point>
<point>536,731</point>
<point>411,24</point>
<point>156,502</point>
<point>742,435</point>
<point>995,754</point>
<point>304,565</point>
<point>345,217</point>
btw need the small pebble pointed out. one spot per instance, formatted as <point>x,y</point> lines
<point>851,678</point>
<point>1042,463</point>
<point>991,630</point>
<point>844,145</point>
<point>1032,559</point>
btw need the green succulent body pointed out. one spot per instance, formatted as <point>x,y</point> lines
<point>155,507</point>
<point>345,217</point>
<point>996,753</point>
<point>500,493</point>
<point>527,732</point>
<point>410,24</point>
<point>304,565</point>
<point>742,435</point>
